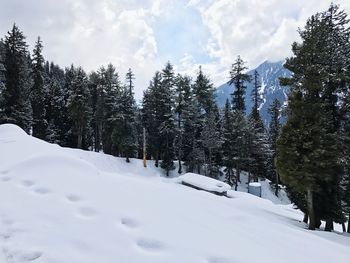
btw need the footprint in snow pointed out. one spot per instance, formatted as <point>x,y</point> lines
<point>73,198</point>
<point>21,256</point>
<point>129,223</point>
<point>87,212</point>
<point>28,183</point>
<point>5,178</point>
<point>150,245</point>
<point>42,191</point>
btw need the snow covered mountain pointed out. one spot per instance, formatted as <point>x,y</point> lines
<point>61,205</point>
<point>269,73</point>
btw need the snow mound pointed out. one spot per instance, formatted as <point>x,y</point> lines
<point>64,164</point>
<point>204,183</point>
<point>8,131</point>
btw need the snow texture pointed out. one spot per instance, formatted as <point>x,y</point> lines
<point>60,205</point>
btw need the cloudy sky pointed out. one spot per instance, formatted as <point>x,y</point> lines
<point>145,34</point>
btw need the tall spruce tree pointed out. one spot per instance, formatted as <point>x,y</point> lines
<point>319,70</point>
<point>211,141</point>
<point>79,105</point>
<point>150,117</point>
<point>274,131</point>
<point>203,90</point>
<point>38,93</point>
<point>182,105</point>
<point>167,125</point>
<point>16,94</point>
<point>227,146</point>
<point>124,133</point>
<point>238,77</point>
<point>112,103</point>
<point>257,141</point>
<point>2,76</point>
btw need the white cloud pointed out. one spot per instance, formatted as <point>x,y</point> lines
<point>129,33</point>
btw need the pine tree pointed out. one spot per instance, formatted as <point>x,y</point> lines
<point>211,141</point>
<point>38,93</point>
<point>167,125</point>
<point>346,164</point>
<point>318,67</point>
<point>239,79</point>
<point>182,105</point>
<point>16,95</point>
<point>78,105</point>
<point>112,103</point>
<point>2,76</point>
<point>124,133</point>
<point>239,143</point>
<point>55,104</point>
<point>227,146</point>
<point>257,141</point>
<point>307,151</point>
<point>97,108</point>
<point>203,90</point>
<point>274,131</point>
<point>150,117</point>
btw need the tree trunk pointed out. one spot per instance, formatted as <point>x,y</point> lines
<point>198,168</point>
<point>277,181</point>
<point>306,218</point>
<point>343,226</point>
<point>349,223</point>
<point>329,225</point>
<point>127,159</point>
<point>80,137</point>
<point>156,164</point>
<point>210,168</point>
<point>311,212</point>
<point>237,176</point>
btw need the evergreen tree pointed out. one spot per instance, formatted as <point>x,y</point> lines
<point>97,108</point>
<point>55,104</point>
<point>227,146</point>
<point>182,107</point>
<point>150,117</point>
<point>346,164</point>
<point>257,141</point>
<point>239,143</point>
<point>124,134</point>
<point>211,141</point>
<point>112,105</point>
<point>2,76</point>
<point>307,151</point>
<point>318,67</point>
<point>167,125</point>
<point>274,131</point>
<point>203,90</point>
<point>238,78</point>
<point>78,105</point>
<point>16,95</point>
<point>38,93</point>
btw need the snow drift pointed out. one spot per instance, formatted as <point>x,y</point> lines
<point>70,206</point>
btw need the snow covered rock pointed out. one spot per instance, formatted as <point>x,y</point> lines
<point>204,183</point>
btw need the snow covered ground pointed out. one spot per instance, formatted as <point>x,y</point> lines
<point>61,205</point>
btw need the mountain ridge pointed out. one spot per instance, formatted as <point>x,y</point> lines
<point>271,89</point>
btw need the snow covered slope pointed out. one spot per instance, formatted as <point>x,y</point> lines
<point>61,205</point>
